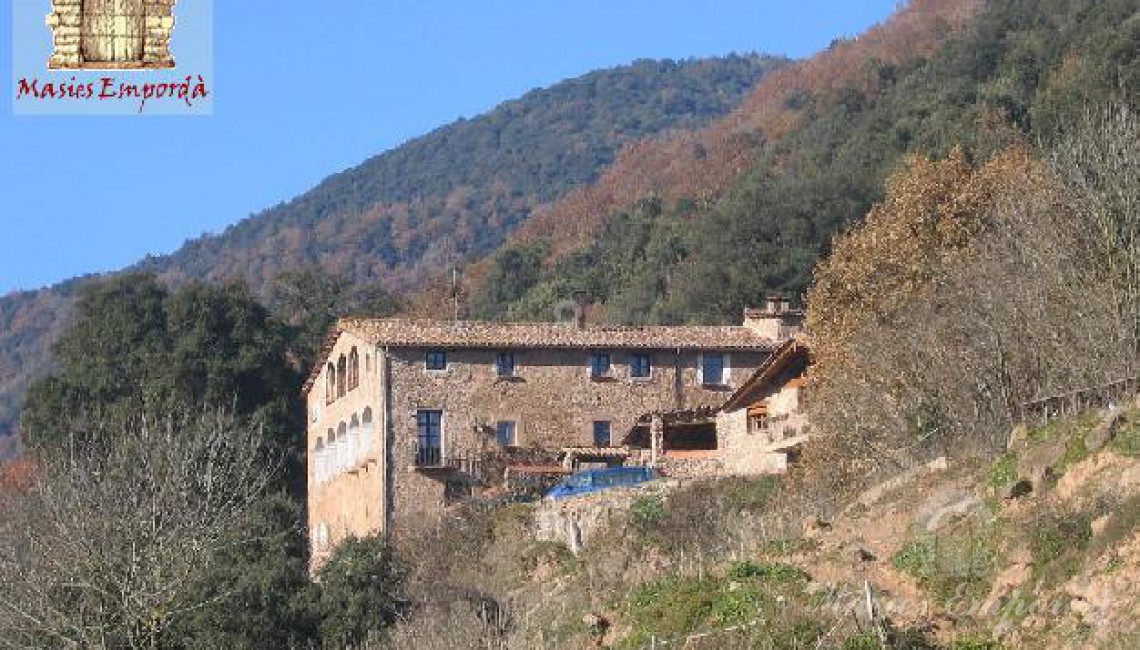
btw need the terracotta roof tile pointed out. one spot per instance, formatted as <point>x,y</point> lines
<point>481,334</point>
<point>767,370</point>
<point>397,332</point>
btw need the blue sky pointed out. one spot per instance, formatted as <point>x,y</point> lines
<point>305,88</point>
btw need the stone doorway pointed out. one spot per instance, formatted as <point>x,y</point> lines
<point>113,31</point>
<point>111,34</point>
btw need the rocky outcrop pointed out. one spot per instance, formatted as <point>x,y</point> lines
<point>573,521</point>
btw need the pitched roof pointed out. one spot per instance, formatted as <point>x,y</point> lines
<point>482,334</point>
<point>315,371</point>
<point>772,366</point>
<point>447,334</point>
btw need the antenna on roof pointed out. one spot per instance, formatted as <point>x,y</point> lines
<point>580,303</point>
<point>455,292</point>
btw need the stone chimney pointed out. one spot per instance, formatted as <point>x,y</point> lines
<point>776,320</point>
<point>580,304</point>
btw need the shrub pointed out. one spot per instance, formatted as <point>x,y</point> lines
<point>1003,471</point>
<point>361,591</point>
<point>1127,439</point>
<point>705,517</point>
<point>748,592</point>
<point>1076,450</point>
<point>539,553</point>
<point>1057,543</point>
<point>647,511</point>
<point>779,573</point>
<point>678,606</point>
<point>945,565</point>
<point>971,643</point>
<point>862,641</point>
<point>748,495</point>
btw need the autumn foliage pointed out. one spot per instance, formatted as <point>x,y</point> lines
<point>932,210</point>
<point>703,165</point>
<point>16,475</point>
<point>967,292</point>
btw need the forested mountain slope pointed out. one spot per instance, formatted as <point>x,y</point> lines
<point>435,201</point>
<point>699,227</point>
<point>692,226</point>
<point>459,190</point>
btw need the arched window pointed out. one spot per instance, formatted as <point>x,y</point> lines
<point>367,362</point>
<point>320,536</point>
<point>319,461</point>
<point>353,369</point>
<point>330,383</point>
<point>341,376</point>
<point>341,447</point>
<point>366,433</point>
<point>329,460</point>
<point>354,441</point>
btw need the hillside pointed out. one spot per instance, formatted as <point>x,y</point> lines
<point>686,227</point>
<point>418,209</point>
<point>956,190</point>
<point>1037,549</point>
<point>700,226</point>
<point>458,191</point>
<point>29,321</point>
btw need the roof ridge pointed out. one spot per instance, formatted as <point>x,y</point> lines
<point>448,334</point>
<point>492,323</point>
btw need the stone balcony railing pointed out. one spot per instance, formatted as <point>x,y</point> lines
<point>433,461</point>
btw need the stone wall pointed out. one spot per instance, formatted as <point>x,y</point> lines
<point>573,521</point>
<point>351,499</point>
<point>692,465</point>
<point>747,452</point>
<point>69,33</point>
<point>553,401</point>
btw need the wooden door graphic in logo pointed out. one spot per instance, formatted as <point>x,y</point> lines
<point>115,34</point>
<point>113,31</point>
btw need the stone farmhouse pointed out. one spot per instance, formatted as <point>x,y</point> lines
<point>764,422</point>
<point>402,412</point>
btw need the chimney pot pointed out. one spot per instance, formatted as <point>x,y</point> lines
<point>775,304</point>
<point>776,321</point>
<point>580,303</point>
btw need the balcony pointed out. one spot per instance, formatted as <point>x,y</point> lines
<point>433,463</point>
<point>429,458</point>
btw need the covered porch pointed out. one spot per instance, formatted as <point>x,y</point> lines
<point>683,434</point>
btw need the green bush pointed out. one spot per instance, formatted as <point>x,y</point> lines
<point>703,518</point>
<point>1127,439</point>
<point>1065,427</point>
<point>647,511</point>
<point>749,591</point>
<point>748,495</point>
<point>790,546</point>
<point>862,641</point>
<point>777,573</point>
<point>1003,471</point>
<point>539,553</point>
<point>947,564</point>
<point>1058,542</point>
<point>361,591</point>
<point>1076,450</point>
<point>263,598</point>
<point>911,639</point>
<point>971,643</point>
<point>679,606</point>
